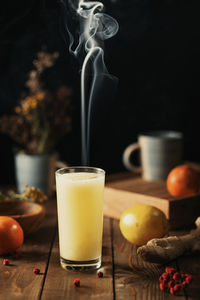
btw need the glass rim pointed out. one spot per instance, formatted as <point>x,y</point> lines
<point>74,169</point>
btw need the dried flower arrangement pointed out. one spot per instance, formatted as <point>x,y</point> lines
<point>31,194</point>
<point>41,118</point>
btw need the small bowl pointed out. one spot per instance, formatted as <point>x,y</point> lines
<point>30,215</point>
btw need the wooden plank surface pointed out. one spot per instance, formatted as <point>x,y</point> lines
<point>191,265</point>
<point>59,282</point>
<point>117,201</point>
<point>139,281</point>
<point>130,190</point>
<point>121,280</point>
<point>155,188</point>
<point>17,281</point>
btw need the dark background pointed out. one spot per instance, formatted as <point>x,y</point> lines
<point>155,55</point>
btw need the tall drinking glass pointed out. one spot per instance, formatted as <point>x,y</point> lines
<point>80,194</point>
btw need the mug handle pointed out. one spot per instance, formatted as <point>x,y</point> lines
<point>126,158</point>
<point>60,164</point>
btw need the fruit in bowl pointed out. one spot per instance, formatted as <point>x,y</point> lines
<point>24,208</point>
<point>29,215</point>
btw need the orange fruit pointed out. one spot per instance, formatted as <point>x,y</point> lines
<point>11,235</point>
<point>182,181</point>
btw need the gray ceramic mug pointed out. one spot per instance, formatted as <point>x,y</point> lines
<point>160,151</point>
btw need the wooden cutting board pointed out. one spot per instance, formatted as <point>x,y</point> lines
<point>125,190</point>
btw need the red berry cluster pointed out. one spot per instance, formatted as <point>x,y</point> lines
<point>174,281</point>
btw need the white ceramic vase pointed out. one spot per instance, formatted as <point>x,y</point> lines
<point>32,170</point>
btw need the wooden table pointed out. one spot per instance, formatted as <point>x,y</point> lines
<point>17,281</point>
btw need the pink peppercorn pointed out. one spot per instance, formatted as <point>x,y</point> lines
<point>182,275</point>
<point>172,291</point>
<point>100,274</point>
<point>177,287</point>
<point>177,276</point>
<point>36,271</point>
<point>76,282</point>
<point>6,262</point>
<point>170,270</point>
<point>184,284</point>
<point>188,278</point>
<point>163,286</point>
<point>171,283</point>
<point>161,278</point>
<point>166,276</point>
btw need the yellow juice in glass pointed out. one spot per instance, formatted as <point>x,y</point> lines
<point>80,216</point>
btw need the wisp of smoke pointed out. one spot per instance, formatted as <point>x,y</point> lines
<point>94,27</point>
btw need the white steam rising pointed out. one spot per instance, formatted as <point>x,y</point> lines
<point>95,27</point>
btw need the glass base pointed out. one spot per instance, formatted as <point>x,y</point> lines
<point>80,265</point>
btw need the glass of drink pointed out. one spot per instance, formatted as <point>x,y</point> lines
<point>80,194</point>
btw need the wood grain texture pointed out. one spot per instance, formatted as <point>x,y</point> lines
<point>122,280</point>
<point>139,281</point>
<point>116,201</point>
<point>128,191</point>
<point>190,264</point>
<point>17,281</point>
<point>59,282</point>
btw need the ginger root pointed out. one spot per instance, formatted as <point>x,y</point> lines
<point>166,249</point>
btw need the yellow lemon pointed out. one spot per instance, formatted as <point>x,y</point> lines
<point>141,223</point>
